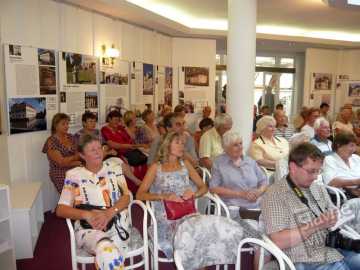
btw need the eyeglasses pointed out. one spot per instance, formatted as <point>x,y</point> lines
<point>312,172</point>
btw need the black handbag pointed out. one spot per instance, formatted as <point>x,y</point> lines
<point>135,157</point>
<point>123,234</point>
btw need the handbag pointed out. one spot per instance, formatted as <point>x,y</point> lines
<point>135,157</point>
<point>176,210</point>
<point>122,232</point>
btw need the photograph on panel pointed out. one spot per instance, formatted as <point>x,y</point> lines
<point>168,85</point>
<point>322,81</point>
<point>80,69</point>
<point>197,76</point>
<point>46,57</point>
<point>354,89</point>
<point>148,74</point>
<point>27,114</point>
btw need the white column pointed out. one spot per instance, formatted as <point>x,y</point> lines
<point>241,53</point>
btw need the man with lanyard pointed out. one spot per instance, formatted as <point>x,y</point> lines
<point>298,213</point>
<point>322,133</point>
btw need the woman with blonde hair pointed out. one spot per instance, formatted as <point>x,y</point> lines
<point>267,148</point>
<point>171,178</point>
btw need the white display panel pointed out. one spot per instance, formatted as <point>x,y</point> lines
<point>114,86</point>
<point>31,87</point>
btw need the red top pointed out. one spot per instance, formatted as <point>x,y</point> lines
<point>118,136</point>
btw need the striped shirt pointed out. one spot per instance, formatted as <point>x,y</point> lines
<point>285,132</point>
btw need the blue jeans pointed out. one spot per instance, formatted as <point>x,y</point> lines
<point>351,261</point>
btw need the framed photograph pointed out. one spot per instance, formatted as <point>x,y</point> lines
<point>354,89</point>
<point>148,83</point>
<point>322,81</point>
<point>80,69</point>
<point>27,114</point>
<point>196,76</point>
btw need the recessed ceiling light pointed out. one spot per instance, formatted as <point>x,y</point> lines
<point>354,2</point>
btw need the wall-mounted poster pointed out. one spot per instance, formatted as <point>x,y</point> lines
<point>197,76</point>
<point>78,85</point>
<point>31,84</point>
<point>140,89</point>
<point>354,89</point>
<point>148,79</point>
<point>322,81</point>
<point>168,85</point>
<point>114,87</point>
<point>27,114</point>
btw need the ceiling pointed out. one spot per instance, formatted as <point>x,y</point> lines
<point>303,23</point>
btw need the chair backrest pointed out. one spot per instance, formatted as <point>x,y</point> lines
<point>352,206</point>
<point>205,174</point>
<point>263,245</point>
<point>202,241</point>
<point>286,259</point>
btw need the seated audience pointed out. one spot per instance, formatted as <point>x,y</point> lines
<point>175,122</point>
<point>210,142</point>
<point>150,129</point>
<point>313,113</point>
<point>267,148</point>
<point>343,123</point>
<point>324,110</point>
<point>282,129</point>
<point>88,120</point>
<point>298,222</point>
<point>61,150</point>
<point>118,137</point>
<point>102,184</point>
<point>237,179</point>
<point>171,178</point>
<point>204,125</point>
<point>342,168</point>
<point>322,133</point>
<point>299,120</point>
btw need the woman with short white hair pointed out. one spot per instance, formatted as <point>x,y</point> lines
<point>236,178</point>
<point>267,148</point>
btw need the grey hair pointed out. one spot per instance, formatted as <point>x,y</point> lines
<point>263,122</point>
<point>319,121</point>
<point>222,119</point>
<point>230,137</point>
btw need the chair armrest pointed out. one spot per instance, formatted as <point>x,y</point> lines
<point>221,205</point>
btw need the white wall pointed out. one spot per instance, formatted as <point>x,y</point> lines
<point>198,53</point>
<point>53,25</point>
<point>336,62</point>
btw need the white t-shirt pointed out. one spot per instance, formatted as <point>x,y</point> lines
<point>335,167</point>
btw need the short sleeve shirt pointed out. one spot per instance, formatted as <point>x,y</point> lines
<point>335,167</point>
<point>247,175</point>
<point>210,144</point>
<point>282,209</point>
<point>263,148</point>
<point>104,188</point>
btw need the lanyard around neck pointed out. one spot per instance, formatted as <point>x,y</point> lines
<point>298,192</point>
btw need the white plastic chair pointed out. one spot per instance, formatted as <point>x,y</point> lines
<point>155,259</point>
<point>338,193</point>
<point>80,256</point>
<point>270,248</point>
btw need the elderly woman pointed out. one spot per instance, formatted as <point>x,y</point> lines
<point>170,179</point>
<point>104,233</point>
<point>237,179</point>
<point>61,150</point>
<point>342,168</point>
<point>267,148</point>
<point>343,123</point>
<point>308,128</point>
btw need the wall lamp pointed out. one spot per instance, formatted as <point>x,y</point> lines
<point>109,54</point>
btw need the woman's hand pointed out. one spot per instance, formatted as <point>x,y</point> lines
<point>251,196</point>
<point>188,194</point>
<point>98,219</point>
<point>172,197</point>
